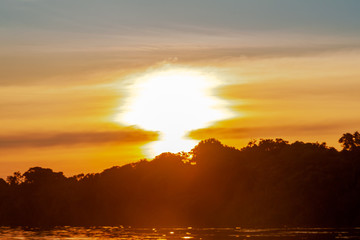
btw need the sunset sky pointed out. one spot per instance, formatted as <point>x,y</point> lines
<point>86,85</point>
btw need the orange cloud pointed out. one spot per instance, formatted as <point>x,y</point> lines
<point>266,131</point>
<point>33,140</point>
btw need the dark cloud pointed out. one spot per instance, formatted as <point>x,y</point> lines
<point>77,138</point>
<point>267,131</point>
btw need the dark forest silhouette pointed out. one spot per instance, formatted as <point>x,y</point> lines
<point>267,183</point>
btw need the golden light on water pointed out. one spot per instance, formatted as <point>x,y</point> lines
<point>173,101</point>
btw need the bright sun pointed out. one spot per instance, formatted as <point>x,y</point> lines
<point>172,101</point>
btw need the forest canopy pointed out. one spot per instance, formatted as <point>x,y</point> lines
<point>270,182</point>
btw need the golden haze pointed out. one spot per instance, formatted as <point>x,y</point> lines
<point>309,97</point>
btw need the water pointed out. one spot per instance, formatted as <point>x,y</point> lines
<point>105,233</point>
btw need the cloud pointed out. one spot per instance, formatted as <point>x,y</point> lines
<point>34,140</point>
<point>258,52</point>
<point>262,132</point>
<point>71,67</point>
<point>322,87</point>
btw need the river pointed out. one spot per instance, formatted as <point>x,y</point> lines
<point>121,232</point>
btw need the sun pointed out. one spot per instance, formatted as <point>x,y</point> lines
<point>172,101</point>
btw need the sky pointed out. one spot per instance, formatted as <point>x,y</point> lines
<point>70,71</point>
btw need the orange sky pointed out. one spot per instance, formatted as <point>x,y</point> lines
<point>58,97</point>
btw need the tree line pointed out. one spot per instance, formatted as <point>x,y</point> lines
<point>270,182</point>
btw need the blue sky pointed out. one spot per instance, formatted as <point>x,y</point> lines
<point>329,17</point>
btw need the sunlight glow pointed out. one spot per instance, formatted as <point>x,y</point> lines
<point>173,101</point>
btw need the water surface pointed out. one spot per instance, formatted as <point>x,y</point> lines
<point>121,232</point>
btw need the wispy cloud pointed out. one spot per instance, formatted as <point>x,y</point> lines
<point>34,140</point>
<point>266,131</point>
<point>92,66</point>
<point>306,89</point>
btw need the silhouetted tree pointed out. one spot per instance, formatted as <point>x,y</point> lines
<point>3,184</point>
<point>350,142</point>
<point>38,175</point>
<point>15,179</point>
<point>270,182</point>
